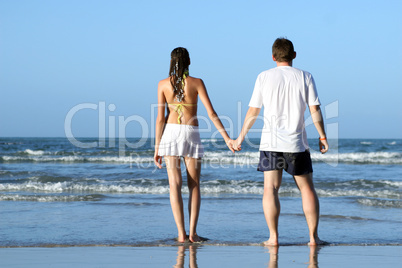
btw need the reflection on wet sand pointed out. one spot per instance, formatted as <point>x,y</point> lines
<point>313,257</point>
<point>181,253</point>
<point>274,256</point>
<point>273,251</point>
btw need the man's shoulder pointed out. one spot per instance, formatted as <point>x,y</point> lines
<point>280,70</point>
<point>266,73</point>
<point>284,68</point>
<point>302,71</point>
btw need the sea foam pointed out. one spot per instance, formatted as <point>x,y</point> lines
<point>160,187</point>
<point>32,152</point>
<point>222,157</point>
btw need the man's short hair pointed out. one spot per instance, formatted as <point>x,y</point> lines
<point>283,50</point>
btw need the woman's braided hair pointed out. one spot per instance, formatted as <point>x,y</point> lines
<point>180,60</point>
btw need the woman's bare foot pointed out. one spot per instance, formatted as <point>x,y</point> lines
<point>194,238</point>
<point>182,238</point>
<point>271,242</point>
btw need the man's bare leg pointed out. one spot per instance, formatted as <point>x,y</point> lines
<point>311,205</point>
<point>273,256</point>
<point>176,200</point>
<point>271,204</point>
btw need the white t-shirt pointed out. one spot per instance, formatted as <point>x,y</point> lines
<point>285,92</point>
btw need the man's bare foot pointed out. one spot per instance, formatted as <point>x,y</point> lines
<point>317,242</point>
<point>271,242</point>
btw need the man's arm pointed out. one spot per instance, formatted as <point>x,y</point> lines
<point>318,121</point>
<point>249,121</point>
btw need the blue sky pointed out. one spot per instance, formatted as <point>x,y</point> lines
<point>57,55</point>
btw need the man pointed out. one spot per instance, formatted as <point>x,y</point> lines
<point>285,92</point>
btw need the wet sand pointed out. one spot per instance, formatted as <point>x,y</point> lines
<point>203,256</point>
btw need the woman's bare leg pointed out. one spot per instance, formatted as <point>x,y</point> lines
<point>193,167</point>
<point>176,200</point>
<point>271,204</point>
<point>181,253</point>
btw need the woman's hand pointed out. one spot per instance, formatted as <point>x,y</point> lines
<point>229,144</point>
<point>158,160</point>
<point>237,144</point>
<point>233,146</point>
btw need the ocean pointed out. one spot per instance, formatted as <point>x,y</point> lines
<point>55,192</point>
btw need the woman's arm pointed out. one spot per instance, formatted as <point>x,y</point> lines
<point>160,122</point>
<point>203,94</point>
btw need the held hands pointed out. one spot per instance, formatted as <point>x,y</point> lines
<point>229,144</point>
<point>237,144</point>
<point>234,145</point>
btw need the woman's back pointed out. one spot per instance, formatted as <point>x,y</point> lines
<point>184,112</point>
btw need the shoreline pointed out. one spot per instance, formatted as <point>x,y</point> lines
<point>189,244</point>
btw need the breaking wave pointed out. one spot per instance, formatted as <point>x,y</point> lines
<point>239,158</point>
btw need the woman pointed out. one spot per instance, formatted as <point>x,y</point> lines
<point>177,136</point>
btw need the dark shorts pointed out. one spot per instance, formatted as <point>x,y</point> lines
<point>292,163</point>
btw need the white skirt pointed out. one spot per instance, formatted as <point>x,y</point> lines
<point>181,140</point>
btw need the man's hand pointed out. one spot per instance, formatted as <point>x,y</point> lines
<point>323,146</point>
<point>237,145</point>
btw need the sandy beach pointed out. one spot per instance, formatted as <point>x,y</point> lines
<point>203,256</point>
